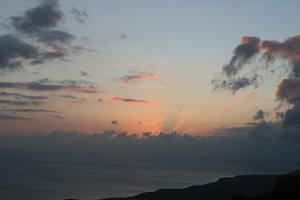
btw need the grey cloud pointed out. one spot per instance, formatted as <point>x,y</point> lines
<point>11,48</point>
<point>260,115</point>
<point>56,39</point>
<point>37,23</point>
<point>30,110</point>
<point>22,96</point>
<point>236,84</point>
<point>83,73</point>
<point>241,146</point>
<point>243,53</point>
<point>114,122</point>
<point>18,103</point>
<point>67,96</point>
<point>269,50</point>
<point>123,36</point>
<point>48,85</point>
<point>79,15</point>
<point>42,18</point>
<point>11,117</point>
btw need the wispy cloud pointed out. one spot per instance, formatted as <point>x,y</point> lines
<point>129,100</point>
<point>48,85</point>
<point>8,94</point>
<point>11,117</point>
<point>19,103</point>
<point>139,77</point>
<point>28,110</point>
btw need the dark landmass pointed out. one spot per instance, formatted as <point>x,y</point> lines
<point>246,187</point>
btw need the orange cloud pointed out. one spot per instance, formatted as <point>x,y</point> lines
<point>139,77</point>
<point>128,100</point>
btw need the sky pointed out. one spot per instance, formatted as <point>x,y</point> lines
<point>196,67</point>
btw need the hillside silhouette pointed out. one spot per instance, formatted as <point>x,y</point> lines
<point>245,187</point>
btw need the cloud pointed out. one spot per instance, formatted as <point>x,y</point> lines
<point>114,122</point>
<point>236,84</point>
<point>242,54</point>
<point>52,86</point>
<point>12,50</point>
<point>123,36</point>
<point>262,144</point>
<point>67,96</point>
<point>133,101</point>
<point>39,19</point>
<point>11,117</point>
<point>56,39</point>
<point>139,77</point>
<point>55,116</point>
<point>19,103</point>
<point>83,73</point>
<point>30,110</point>
<point>79,15</point>
<point>288,88</point>
<point>40,26</point>
<point>19,95</point>
<point>260,115</point>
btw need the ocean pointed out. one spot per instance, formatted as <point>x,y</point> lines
<point>86,180</point>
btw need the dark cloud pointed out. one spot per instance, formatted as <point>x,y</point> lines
<point>236,84</point>
<point>48,85</point>
<point>19,103</point>
<point>288,88</point>
<point>237,146</point>
<point>56,39</point>
<point>39,19</point>
<point>128,100</point>
<point>36,24</point>
<point>242,54</point>
<point>269,50</point>
<point>83,73</point>
<point>114,122</point>
<point>52,55</point>
<point>12,50</point>
<point>79,15</point>
<point>260,115</point>
<point>11,117</point>
<point>30,110</point>
<point>19,95</point>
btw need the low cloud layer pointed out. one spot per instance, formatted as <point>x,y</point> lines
<point>240,146</point>
<point>266,51</point>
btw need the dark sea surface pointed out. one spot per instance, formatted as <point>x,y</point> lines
<point>28,179</point>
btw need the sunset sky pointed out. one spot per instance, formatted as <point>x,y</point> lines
<point>142,66</point>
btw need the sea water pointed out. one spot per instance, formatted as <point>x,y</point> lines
<point>28,179</point>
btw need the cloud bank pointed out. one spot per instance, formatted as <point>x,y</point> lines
<point>240,146</point>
